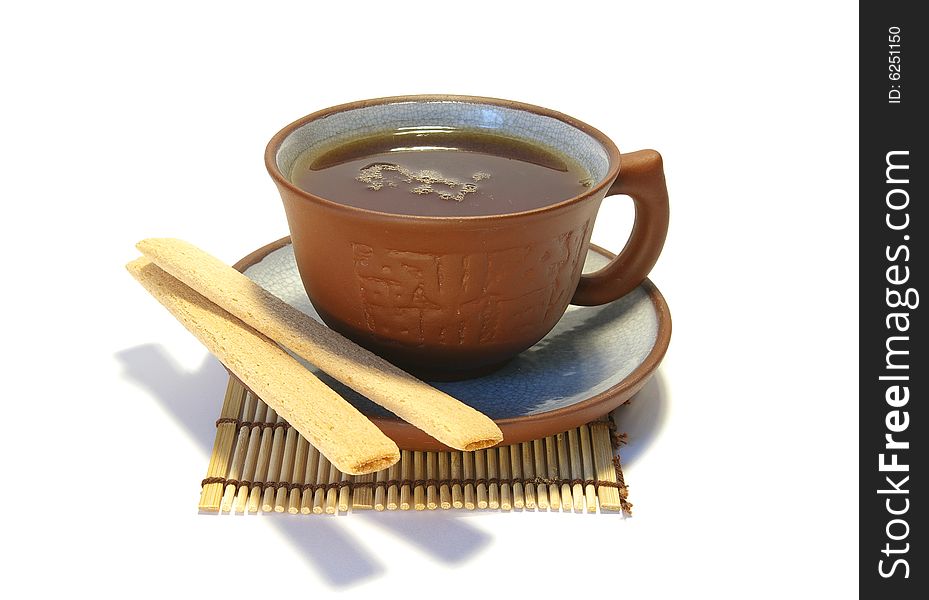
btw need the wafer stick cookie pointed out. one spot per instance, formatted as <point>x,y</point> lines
<point>448,420</point>
<point>341,433</point>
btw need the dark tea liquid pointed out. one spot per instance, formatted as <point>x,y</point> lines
<point>440,172</point>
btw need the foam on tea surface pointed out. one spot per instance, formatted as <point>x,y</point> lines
<point>440,172</point>
<point>448,189</point>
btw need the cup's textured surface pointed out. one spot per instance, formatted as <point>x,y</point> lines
<point>440,296</point>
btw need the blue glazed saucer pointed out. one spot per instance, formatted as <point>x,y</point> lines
<point>595,359</point>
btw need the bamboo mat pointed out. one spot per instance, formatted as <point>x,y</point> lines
<point>260,463</point>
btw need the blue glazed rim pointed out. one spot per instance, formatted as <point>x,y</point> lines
<point>280,138</point>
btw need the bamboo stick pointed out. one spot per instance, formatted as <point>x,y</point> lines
<point>363,495</point>
<point>235,472</point>
<point>332,493</point>
<point>603,463</point>
<point>261,469</point>
<point>310,475</point>
<point>493,489</point>
<point>480,472</point>
<point>322,477</point>
<point>445,491</point>
<point>528,473</point>
<point>380,491</point>
<point>467,461</point>
<point>212,493</point>
<point>345,492</point>
<point>577,470</point>
<point>274,467</point>
<point>456,475</point>
<point>406,474</point>
<point>516,472</point>
<point>590,492</point>
<point>241,447</point>
<point>551,459</point>
<point>393,492</point>
<point>506,497</point>
<point>251,455</point>
<point>564,472</point>
<point>432,491</point>
<point>299,472</point>
<point>538,451</point>
<point>419,473</point>
<point>286,474</point>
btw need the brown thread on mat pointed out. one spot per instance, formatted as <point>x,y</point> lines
<point>414,482</point>
<point>617,440</point>
<point>252,424</point>
<point>623,488</point>
<point>263,485</point>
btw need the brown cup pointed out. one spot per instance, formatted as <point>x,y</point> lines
<point>454,297</point>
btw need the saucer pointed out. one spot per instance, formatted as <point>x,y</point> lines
<point>595,358</point>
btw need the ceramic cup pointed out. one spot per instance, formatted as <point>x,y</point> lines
<point>454,297</point>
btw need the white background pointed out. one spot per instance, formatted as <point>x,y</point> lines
<point>122,121</point>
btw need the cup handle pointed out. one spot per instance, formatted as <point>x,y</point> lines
<point>641,176</point>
